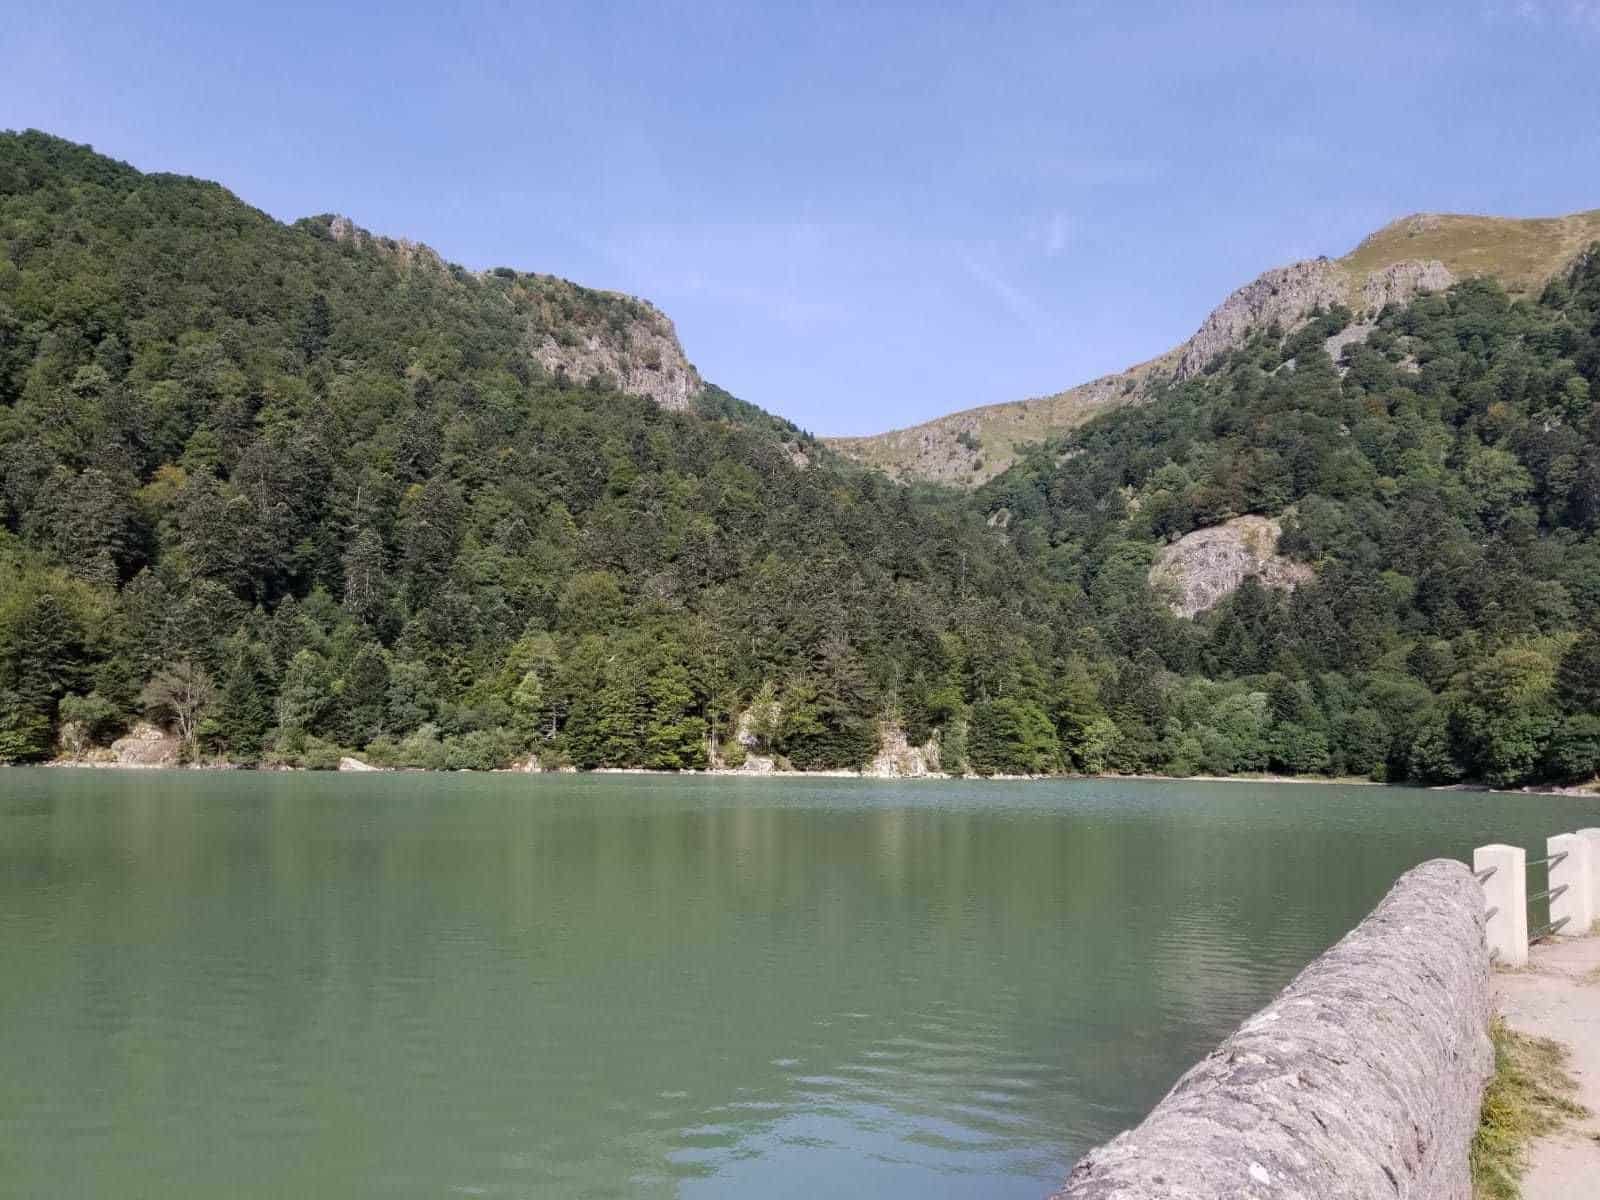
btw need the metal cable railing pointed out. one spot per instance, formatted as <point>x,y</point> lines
<point>1570,900</point>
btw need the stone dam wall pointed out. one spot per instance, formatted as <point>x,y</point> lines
<point>1361,1081</point>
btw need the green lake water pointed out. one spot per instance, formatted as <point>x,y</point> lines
<point>417,985</point>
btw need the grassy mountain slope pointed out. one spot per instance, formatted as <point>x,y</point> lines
<point>1522,254</point>
<point>966,448</point>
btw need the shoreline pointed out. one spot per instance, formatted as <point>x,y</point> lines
<point>831,773</point>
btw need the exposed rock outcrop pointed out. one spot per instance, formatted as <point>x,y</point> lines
<point>753,731</point>
<point>1288,296</point>
<point>643,358</point>
<point>571,330</point>
<point>146,745</point>
<point>899,759</point>
<point>1351,335</point>
<point>1203,568</point>
<point>348,763</point>
<point>1284,295</point>
<point>404,251</point>
<point>1361,1081</point>
<point>1402,282</point>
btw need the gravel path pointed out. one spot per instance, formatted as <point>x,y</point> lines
<point>1558,996</point>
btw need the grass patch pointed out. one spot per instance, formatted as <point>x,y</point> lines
<point>1529,1096</point>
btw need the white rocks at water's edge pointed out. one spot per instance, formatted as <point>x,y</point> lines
<point>144,746</point>
<point>898,759</point>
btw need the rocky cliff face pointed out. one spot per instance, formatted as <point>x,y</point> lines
<point>572,331</point>
<point>1402,282</point>
<point>643,357</point>
<point>1283,295</point>
<point>1288,295</point>
<point>1203,568</point>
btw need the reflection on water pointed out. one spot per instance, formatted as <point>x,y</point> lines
<point>418,985</point>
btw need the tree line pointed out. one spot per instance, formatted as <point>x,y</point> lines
<point>294,495</point>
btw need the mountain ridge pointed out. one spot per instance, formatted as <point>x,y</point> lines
<point>573,331</point>
<point>302,499</point>
<point>1419,252</point>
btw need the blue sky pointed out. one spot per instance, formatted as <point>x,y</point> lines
<point>860,216</point>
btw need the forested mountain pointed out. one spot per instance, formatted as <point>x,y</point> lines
<point>297,490</point>
<point>1442,481</point>
<point>327,484</point>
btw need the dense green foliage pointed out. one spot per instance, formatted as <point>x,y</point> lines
<point>293,493</point>
<point>326,474</point>
<point>1444,481</point>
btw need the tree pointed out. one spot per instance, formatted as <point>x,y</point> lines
<point>1086,732</point>
<point>674,735</point>
<point>365,576</point>
<point>1299,750</point>
<point>305,697</point>
<point>1505,715</point>
<point>819,728</point>
<point>244,709</point>
<point>1011,737</point>
<point>763,718</point>
<point>87,721</point>
<point>1578,675</point>
<point>363,691</point>
<point>183,693</point>
<point>1575,748</point>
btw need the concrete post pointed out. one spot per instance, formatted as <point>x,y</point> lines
<point>1592,836</point>
<point>1572,873</point>
<point>1506,895</point>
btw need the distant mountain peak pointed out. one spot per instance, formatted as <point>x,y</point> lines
<point>1420,252</point>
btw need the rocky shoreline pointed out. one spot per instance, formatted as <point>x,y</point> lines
<point>147,747</point>
<point>352,765</point>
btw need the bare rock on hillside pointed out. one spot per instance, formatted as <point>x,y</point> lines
<point>1205,567</point>
<point>1402,282</point>
<point>1351,335</point>
<point>897,758</point>
<point>1284,295</point>
<point>403,250</point>
<point>643,358</point>
<point>347,763</point>
<point>572,331</point>
<point>147,745</point>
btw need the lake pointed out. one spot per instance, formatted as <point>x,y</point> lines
<point>273,985</point>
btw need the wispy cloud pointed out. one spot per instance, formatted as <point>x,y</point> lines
<point>1103,172</point>
<point>1021,306</point>
<point>776,268</point>
<point>1542,14</point>
<point>1057,234</point>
